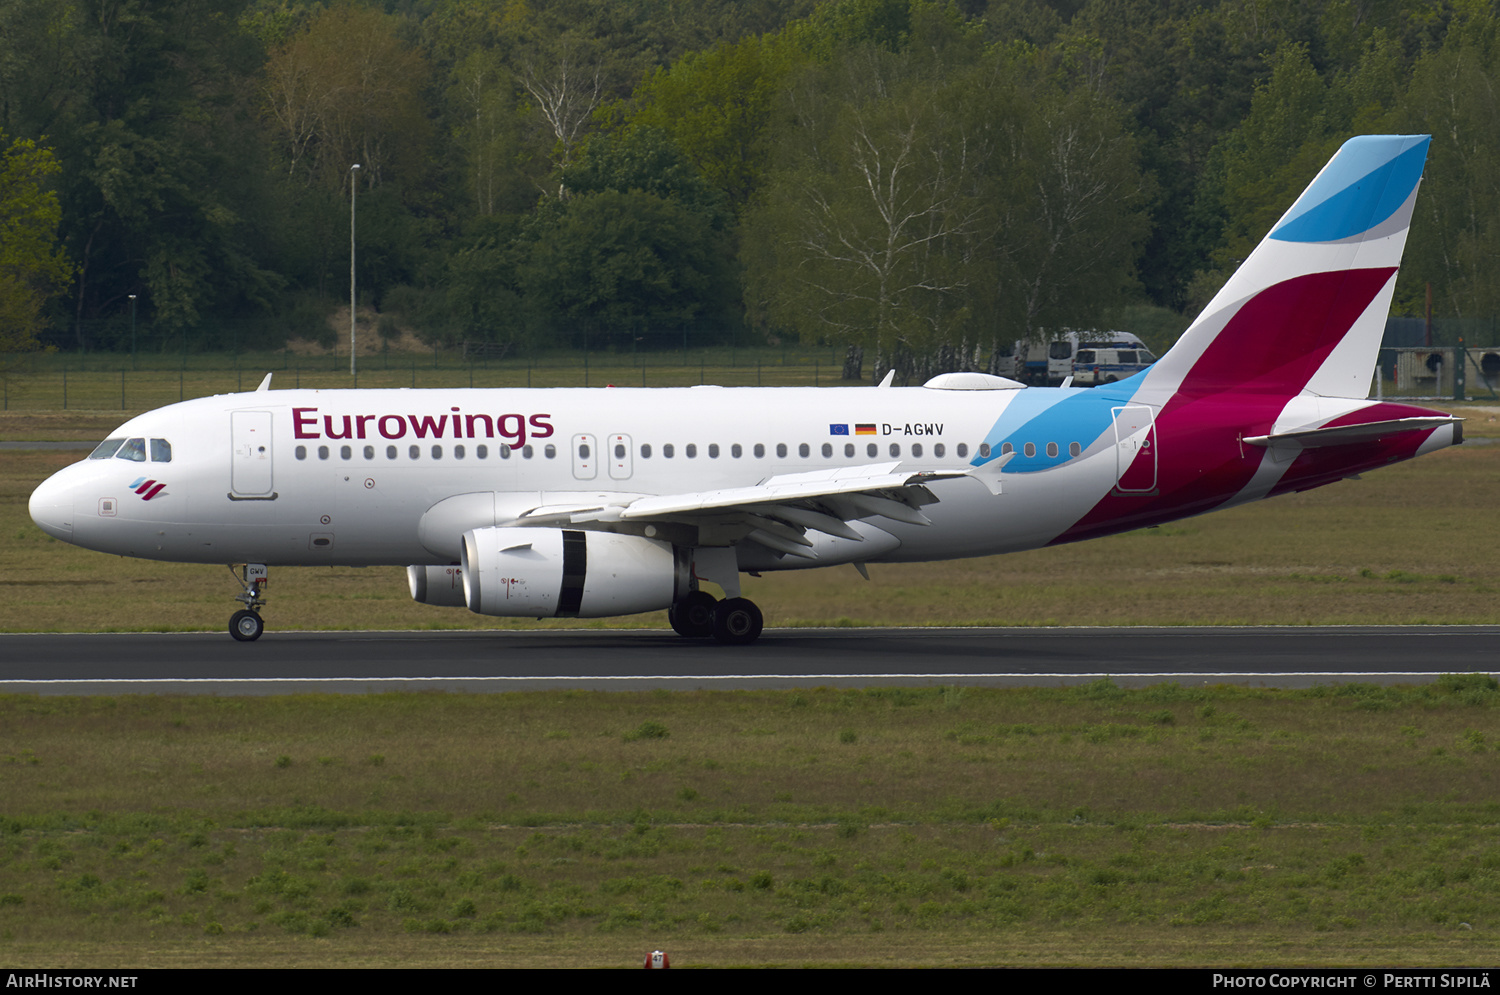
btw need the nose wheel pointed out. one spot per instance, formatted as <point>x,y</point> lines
<point>246,625</point>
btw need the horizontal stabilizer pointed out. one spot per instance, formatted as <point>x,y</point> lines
<point>1343,435</point>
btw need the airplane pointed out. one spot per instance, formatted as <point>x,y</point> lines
<point>609,501</point>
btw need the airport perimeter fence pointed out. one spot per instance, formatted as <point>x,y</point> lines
<point>113,381</point>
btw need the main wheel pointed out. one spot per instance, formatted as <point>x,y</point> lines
<point>737,621</point>
<point>693,616</point>
<point>246,626</point>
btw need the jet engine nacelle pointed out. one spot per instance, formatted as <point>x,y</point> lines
<point>568,573</point>
<point>430,585</point>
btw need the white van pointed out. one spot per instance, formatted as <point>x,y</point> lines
<point>1048,362</point>
<point>1106,362</point>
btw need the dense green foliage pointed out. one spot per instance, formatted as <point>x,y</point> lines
<point>917,178</point>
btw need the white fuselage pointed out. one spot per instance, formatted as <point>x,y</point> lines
<point>345,476</point>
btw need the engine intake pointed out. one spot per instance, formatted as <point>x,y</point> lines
<point>568,573</point>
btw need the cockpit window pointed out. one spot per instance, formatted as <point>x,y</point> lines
<point>133,450</point>
<point>161,451</point>
<point>106,449</point>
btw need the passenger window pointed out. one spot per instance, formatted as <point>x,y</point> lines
<point>645,451</point>
<point>1074,449</point>
<point>504,450</point>
<point>345,452</point>
<point>549,451</point>
<point>667,450</point>
<point>916,449</point>
<point>528,451</point>
<point>984,449</point>
<point>713,450</point>
<point>161,451</point>
<point>849,449</point>
<point>736,451</point>
<point>963,450</point>
<point>415,452</point>
<point>369,452</point>
<point>781,450</point>
<point>458,452</point>
<point>619,450</point>
<point>1030,449</point>
<point>760,451</point>
<point>1005,447</point>
<point>803,451</point>
<point>133,450</point>
<point>873,450</point>
<point>390,452</point>
<point>301,452</point>
<point>827,450</point>
<point>1052,449</point>
<point>322,452</point>
<point>895,449</point>
<point>690,451</point>
<point>106,449</point>
<point>437,452</point>
<point>938,450</point>
<point>481,452</point>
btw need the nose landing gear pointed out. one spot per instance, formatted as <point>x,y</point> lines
<point>246,625</point>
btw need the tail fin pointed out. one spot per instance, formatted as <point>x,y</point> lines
<point>1306,312</point>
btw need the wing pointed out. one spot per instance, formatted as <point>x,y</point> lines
<point>779,511</point>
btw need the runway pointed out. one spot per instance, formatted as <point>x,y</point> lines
<point>634,659</point>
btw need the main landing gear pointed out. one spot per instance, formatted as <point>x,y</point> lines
<point>246,625</point>
<point>732,621</point>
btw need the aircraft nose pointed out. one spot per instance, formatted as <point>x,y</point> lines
<point>51,508</point>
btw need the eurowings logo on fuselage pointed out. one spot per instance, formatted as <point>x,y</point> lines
<point>147,489</point>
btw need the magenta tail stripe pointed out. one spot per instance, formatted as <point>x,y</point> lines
<point>1279,338</point>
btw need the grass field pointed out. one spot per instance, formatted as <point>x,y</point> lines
<point>1083,826</point>
<point>953,826</point>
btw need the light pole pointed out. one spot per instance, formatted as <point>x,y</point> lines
<point>132,331</point>
<point>353,186</point>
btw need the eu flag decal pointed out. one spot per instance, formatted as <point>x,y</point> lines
<point>838,429</point>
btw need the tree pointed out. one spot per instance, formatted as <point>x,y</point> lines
<point>930,204</point>
<point>33,268</point>
<point>718,105</point>
<point>348,90</point>
<point>610,267</point>
<point>862,241</point>
<point>567,83</point>
<point>1455,236</point>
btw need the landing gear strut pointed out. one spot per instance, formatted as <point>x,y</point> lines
<point>733,621</point>
<point>246,625</point>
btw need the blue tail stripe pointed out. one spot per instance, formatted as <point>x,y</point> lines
<point>1364,186</point>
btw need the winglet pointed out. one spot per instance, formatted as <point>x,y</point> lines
<point>265,385</point>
